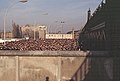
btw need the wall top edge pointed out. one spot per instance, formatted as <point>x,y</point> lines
<point>56,53</point>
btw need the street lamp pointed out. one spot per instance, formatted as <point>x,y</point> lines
<point>62,22</point>
<point>22,1</point>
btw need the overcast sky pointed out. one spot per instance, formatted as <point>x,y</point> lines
<point>47,12</point>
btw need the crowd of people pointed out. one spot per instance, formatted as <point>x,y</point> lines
<point>41,44</point>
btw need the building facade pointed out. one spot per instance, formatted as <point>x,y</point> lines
<point>76,34</point>
<point>102,29</point>
<point>59,36</point>
<point>7,35</point>
<point>35,32</point>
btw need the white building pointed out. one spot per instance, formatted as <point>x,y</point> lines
<point>59,36</point>
<point>34,31</point>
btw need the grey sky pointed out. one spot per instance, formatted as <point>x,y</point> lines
<point>47,12</point>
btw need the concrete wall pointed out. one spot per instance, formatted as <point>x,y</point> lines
<point>37,65</point>
<point>103,66</point>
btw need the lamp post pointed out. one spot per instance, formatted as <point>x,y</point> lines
<point>22,1</point>
<point>34,31</point>
<point>62,22</point>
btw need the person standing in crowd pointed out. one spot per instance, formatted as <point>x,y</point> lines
<point>47,78</point>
